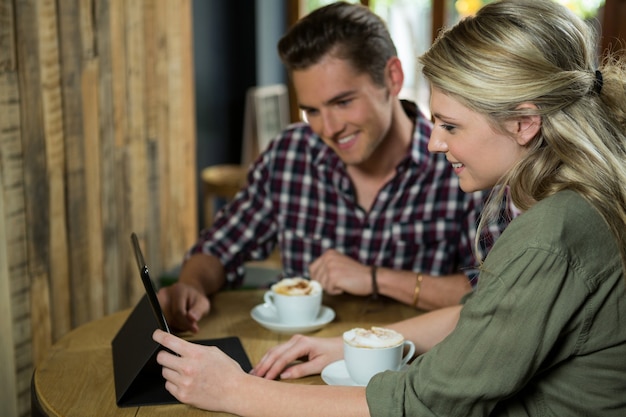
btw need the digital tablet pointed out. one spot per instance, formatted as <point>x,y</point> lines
<point>230,345</point>
<point>149,285</point>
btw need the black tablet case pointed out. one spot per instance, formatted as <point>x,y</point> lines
<point>138,379</point>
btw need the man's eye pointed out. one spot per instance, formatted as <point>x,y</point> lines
<point>308,114</point>
<point>343,103</point>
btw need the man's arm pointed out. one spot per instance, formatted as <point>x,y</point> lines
<point>185,302</point>
<point>339,273</point>
<point>433,292</point>
<point>203,272</point>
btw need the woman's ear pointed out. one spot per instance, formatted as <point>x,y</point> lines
<point>526,128</point>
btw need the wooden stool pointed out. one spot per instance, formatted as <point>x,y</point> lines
<point>223,182</point>
<point>220,181</point>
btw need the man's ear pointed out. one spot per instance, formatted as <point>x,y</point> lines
<point>526,128</point>
<point>394,75</point>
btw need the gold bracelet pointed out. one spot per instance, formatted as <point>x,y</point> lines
<point>418,287</point>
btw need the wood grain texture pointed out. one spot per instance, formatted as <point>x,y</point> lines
<point>7,36</point>
<point>613,28</point>
<point>8,407</point>
<point>230,316</point>
<point>36,184</point>
<point>74,149</point>
<point>88,93</point>
<point>108,17</point>
<point>15,280</point>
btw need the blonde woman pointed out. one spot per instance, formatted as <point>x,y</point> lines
<point>519,102</point>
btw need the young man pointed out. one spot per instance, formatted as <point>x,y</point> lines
<point>353,198</point>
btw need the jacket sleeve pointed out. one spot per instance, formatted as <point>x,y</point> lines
<point>506,330</point>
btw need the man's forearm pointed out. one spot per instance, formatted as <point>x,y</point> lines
<point>433,293</point>
<point>204,272</point>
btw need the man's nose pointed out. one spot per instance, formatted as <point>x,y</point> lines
<point>331,124</point>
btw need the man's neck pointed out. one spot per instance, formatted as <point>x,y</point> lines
<point>393,149</point>
<point>371,176</point>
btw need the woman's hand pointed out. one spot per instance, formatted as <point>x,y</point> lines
<point>318,352</point>
<point>191,376</point>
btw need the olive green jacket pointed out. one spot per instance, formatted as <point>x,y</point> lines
<point>543,334</point>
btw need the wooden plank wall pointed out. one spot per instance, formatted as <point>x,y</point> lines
<point>613,27</point>
<point>97,139</point>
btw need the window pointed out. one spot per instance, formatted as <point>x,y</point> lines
<point>413,24</point>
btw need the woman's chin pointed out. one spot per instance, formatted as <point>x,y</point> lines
<point>471,186</point>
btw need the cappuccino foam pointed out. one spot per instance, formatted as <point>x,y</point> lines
<point>296,286</point>
<point>376,337</point>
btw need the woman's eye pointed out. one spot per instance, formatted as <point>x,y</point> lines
<point>446,127</point>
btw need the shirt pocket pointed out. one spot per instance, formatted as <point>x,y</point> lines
<point>300,249</point>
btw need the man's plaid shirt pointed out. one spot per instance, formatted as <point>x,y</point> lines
<point>300,197</point>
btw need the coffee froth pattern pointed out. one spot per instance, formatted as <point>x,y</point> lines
<point>376,337</point>
<point>296,286</point>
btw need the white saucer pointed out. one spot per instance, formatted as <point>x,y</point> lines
<point>336,373</point>
<point>266,317</point>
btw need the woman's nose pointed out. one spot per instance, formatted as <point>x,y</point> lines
<point>436,144</point>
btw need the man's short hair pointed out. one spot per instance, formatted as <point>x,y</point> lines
<point>346,31</point>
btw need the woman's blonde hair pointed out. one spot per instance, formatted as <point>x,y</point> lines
<point>537,51</point>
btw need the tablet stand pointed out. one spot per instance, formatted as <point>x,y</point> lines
<point>138,379</point>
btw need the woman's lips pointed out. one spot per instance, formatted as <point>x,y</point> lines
<point>457,167</point>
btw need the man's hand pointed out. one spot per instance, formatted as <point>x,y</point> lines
<point>339,273</point>
<point>183,306</point>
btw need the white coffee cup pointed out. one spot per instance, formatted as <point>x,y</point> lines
<point>297,301</point>
<point>370,351</point>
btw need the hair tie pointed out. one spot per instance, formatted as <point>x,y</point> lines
<point>597,85</point>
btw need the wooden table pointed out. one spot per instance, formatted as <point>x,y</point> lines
<point>76,378</point>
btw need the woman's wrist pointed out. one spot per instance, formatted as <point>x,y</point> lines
<point>418,289</point>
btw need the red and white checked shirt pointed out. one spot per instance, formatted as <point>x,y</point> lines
<point>300,197</point>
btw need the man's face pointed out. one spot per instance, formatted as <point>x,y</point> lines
<point>346,109</point>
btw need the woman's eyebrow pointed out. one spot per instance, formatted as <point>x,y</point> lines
<point>441,117</point>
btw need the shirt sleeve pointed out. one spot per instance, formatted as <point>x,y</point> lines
<point>506,329</point>
<point>245,228</point>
